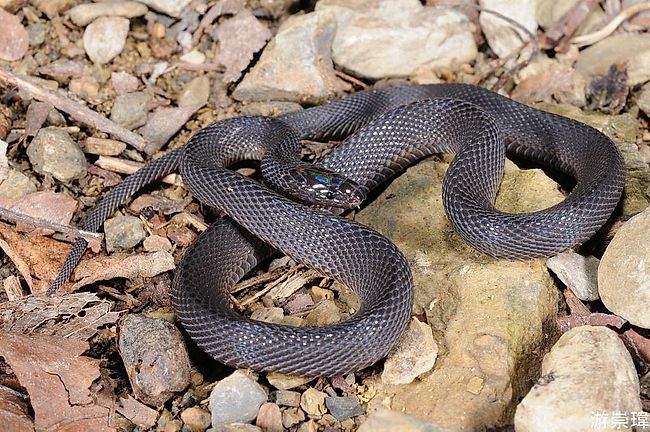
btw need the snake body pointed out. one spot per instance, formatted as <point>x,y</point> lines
<point>387,130</point>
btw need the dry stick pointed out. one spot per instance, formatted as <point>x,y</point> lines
<point>566,26</point>
<point>592,38</point>
<point>259,279</point>
<point>76,110</point>
<point>14,217</point>
<point>350,79</point>
<point>125,166</point>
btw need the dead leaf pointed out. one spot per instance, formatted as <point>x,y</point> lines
<point>77,315</point>
<point>543,86</point>
<point>140,414</point>
<point>50,206</point>
<point>58,379</point>
<point>14,39</point>
<point>240,37</point>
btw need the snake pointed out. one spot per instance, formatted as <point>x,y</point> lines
<point>298,210</point>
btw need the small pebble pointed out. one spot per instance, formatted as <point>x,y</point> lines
<point>287,398</point>
<point>123,83</point>
<point>123,232</point>
<point>196,419</point>
<point>269,418</point>
<point>578,273</point>
<point>173,8</point>
<point>236,398</point>
<point>344,407</point>
<point>195,92</point>
<point>292,416</point>
<point>16,185</point>
<point>273,315</point>
<point>318,294</point>
<point>312,402</point>
<point>103,146</point>
<point>130,109</point>
<point>193,57</point>
<point>325,313</point>
<point>53,152</point>
<point>104,38</point>
<point>285,382</point>
<point>236,427</point>
<point>84,14</point>
<point>414,354</point>
<point>155,243</point>
<point>298,303</point>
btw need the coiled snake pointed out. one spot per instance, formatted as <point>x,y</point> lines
<point>394,128</point>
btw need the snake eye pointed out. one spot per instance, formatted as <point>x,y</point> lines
<point>329,195</point>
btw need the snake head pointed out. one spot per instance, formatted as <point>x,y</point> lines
<point>325,188</point>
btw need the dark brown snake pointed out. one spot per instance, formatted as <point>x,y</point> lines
<point>394,128</point>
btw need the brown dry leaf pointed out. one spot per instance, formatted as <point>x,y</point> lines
<point>13,413</point>
<point>50,206</point>
<point>58,379</point>
<point>240,37</point>
<point>75,316</point>
<point>37,113</point>
<point>140,414</point>
<point>541,87</point>
<point>124,266</point>
<point>14,39</point>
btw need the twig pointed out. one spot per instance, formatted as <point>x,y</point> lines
<point>259,279</point>
<point>268,288</point>
<point>565,27</point>
<point>76,110</point>
<point>592,38</point>
<point>125,166</point>
<point>350,79</point>
<point>14,217</point>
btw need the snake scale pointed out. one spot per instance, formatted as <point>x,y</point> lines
<point>385,130</point>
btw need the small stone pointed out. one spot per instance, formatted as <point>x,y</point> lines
<point>292,416</point>
<point>269,418</point>
<point>103,146</point>
<point>273,315</point>
<point>37,33</point>
<point>193,57</point>
<point>299,303</point>
<point>86,87</point>
<point>104,38</point>
<point>236,427</point>
<point>578,273</point>
<point>318,294</point>
<point>196,419</point>
<point>52,151</point>
<point>155,358</point>
<point>130,109</point>
<point>173,8</point>
<point>384,420</point>
<point>52,8</point>
<point>236,398</point>
<point>309,426</point>
<point>414,354</point>
<point>325,313</point>
<point>312,402</point>
<point>196,92</point>
<point>287,398</point>
<point>344,407</point>
<point>163,124</point>
<point>285,382</point>
<point>155,243</point>
<point>123,83</point>
<point>84,14</point>
<point>475,385</point>
<point>624,271</point>
<point>503,37</point>
<point>644,99</point>
<point>588,370</point>
<point>123,232</point>
<point>16,185</point>
<point>14,39</point>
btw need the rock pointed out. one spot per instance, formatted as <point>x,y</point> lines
<point>155,358</point>
<point>549,12</point>
<point>84,14</point>
<point>285,74</point>
<point>271,315</point>
<point>123,83</point>
<point>624,271</point>
<point>344,407</point>
<point>130,109</point>
<point>52,8</point>
<point>104,38</point>
<point>193,57</point>
<point>52,151</point>
<point>384,420</point>
<point>103,146</point>
<point>14,39</point>
<point>292,416</point>
<point>236,427</point>
<point>492,315</point>
<point>196,92</point>
<point>298,303</point>
<point>277,8</point>
<point>643,101</point>
<point>630,48</point>
<point>387,38</point>
<point>503,37</point>
<point>269,418</point>
<point>578,273</point>
<point>15,185</point>
<point>172,8</point>
<point>319,294</point>
<point>196,419</point>
<point>312,402</point>
<point>37,33</point>
<point>287,398</point>
<point>325,313</point>
<point>414,354</point>
<point>154,243</point>
<point>587,371</point>
<point>123,232</point>
<point>548,80</point>
<point>236,399</point>
<point>86,87</point>
<point>163,124</point>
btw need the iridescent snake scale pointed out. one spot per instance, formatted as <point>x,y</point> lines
<point>394,128</point>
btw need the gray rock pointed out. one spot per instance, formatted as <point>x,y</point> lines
<point>624,271</point>
<point>578,273</point>
<point>414,354</point>
<point>130,109</point>
<point>155,358</point>
<point>16,185</point>
<point>269,418</point>
<point>37,33</point>
<point>384,420</point>
<point>312,402</point>
<point>123,83</point>
<point>53,152</point>
<point>287,398</point>
<point>104,38</point>
<point>195,92</point>
<point>123,232</point>
<point>236,399</point>
<point>325,313</point>
<point>172,8</point>
<point>388,38</point>
<point>286,73</point>
<point>84,14</point>
<point>163,124</point>
<point>588,370</point>
<point>196,419</point>
<point>503,37</point>
<point>344,407</point>
<point>630,48</point>
<point>292,416</point>
<point>271,315</point>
